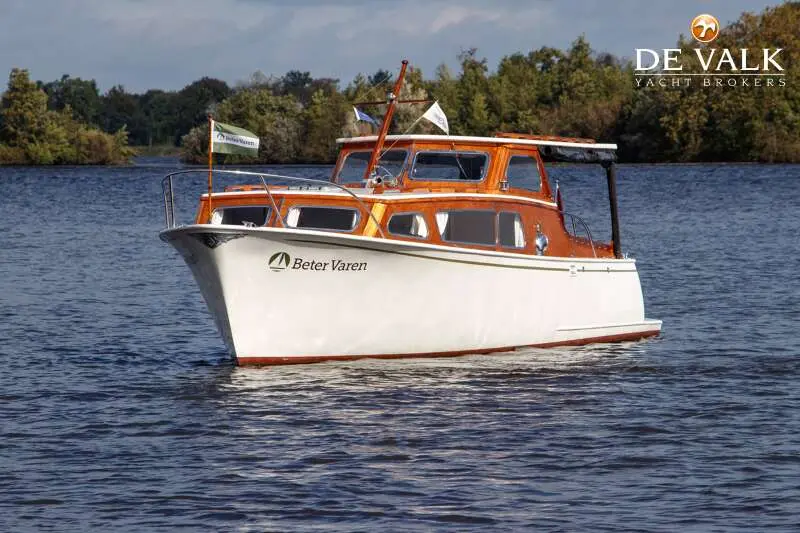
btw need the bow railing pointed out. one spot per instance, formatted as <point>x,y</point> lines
<point>168,189</point>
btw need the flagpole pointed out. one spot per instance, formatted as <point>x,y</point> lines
<point>210,161</point>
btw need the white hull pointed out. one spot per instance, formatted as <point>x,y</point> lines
<point>344,296</point>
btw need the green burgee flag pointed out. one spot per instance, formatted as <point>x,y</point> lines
<point>227,139</point>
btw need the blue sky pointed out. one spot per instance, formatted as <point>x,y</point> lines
<point>167,44</point>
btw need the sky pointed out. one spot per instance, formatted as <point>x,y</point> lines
<point>167,44</point>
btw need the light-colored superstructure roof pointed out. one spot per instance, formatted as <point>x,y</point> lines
<point>486,140</point>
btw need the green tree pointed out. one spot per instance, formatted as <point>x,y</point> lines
<point>322,124</point>
<point>82,96</point>
<point>32,134</point>
<point>120,110</point>
<point>514,94</point>
<point>159,109</point>
<point>277,120</point>
<point>444,89</point>
<point>473,86</point>
<point>27,124</point>
<point>193,103</point>
<point>24,110</point>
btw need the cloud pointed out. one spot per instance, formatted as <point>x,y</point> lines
<point>167,44</point>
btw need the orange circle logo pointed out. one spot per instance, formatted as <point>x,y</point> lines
<point>705,28</point>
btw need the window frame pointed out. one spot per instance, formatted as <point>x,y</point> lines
<point>522,227</point>
<point>356,219</point>
<point>484,172</point>
<point>536,163</point>
<point>222,209</point>
<point>462,210</point>
<point>340,167</point>
<point>424,219</point>
<point>497,244</point>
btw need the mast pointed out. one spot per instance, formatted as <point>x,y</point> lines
<point>387,120</point>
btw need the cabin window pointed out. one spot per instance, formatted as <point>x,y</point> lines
<point>481,227</point>
<point>247,215</point>
<point>449,166</point>
<point>509,230</point>
<point>408,225</point>
<point>473,227</point>
<point>523,173</point>
<point>355,164</point>
<point>324,218</point>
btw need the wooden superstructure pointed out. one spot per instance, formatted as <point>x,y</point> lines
<point>470,192</point>
<point>407,190</point>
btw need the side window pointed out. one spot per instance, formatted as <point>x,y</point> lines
<point>510,232</point>
<point>408,225</point>
<point>353,168</point>
<point>323,218</point>
<point>435,166</point>
<point>473,227</point>
<point>481,227</point>
<point>523,173</point>
<point>247,215</point>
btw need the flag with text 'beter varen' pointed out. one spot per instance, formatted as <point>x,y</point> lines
<point>227,139</point>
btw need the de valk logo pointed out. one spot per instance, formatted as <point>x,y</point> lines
<point>279,261</point>
<point>708,65</point>
<point>705,28</point>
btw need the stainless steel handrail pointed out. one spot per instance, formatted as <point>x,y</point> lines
<point>169,207</point>
<point>169,194</point>
<point>573,218</point>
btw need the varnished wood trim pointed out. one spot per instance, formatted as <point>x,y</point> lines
<point>378,210</point>
<point>469,139</point>
<point>622,337</point>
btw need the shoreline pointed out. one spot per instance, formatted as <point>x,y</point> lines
<point>176,160</point>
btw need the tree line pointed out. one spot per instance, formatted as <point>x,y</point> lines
<point>33,134</point>
<point>574,92</point>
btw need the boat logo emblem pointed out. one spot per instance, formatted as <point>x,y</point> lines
<point>279,261</point>
<point>705,28</point>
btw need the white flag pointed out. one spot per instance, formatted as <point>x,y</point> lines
<point>437,116</point>
<point>227,139</point>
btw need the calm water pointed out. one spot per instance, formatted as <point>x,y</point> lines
<point>120,410</point>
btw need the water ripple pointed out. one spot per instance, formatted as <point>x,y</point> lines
<point>120,410</point>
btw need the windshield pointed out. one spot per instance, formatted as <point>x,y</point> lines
<point>355,164</point>
<point>436,166</point>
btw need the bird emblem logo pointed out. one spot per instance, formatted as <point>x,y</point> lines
<point>705,28</point>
